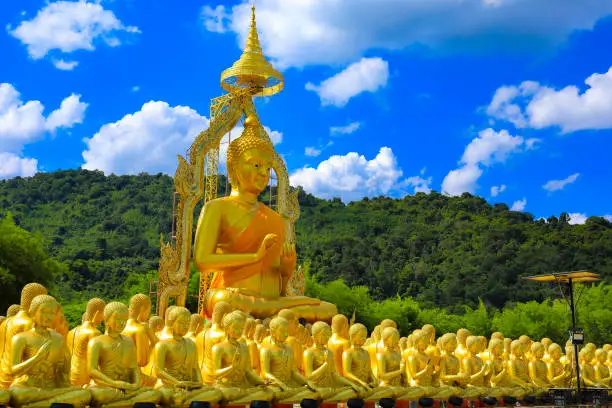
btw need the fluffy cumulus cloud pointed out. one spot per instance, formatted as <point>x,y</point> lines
<point>300,33</point>
<point>366,75</point>
<point>555,185</point>
<point>577,218</point>
<point>519,205</point>
<point>12,165</point>
<point>344,130</point>
<point>23,122</point>
<point>351,177</point>
<point>419,184</point>
<point>497,190</point>
<point>533,105</point>
<point>488,148</point>
<point>68,26</point>
<point>150,140</point>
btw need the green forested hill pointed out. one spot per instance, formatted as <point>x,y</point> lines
<point>441,251</point>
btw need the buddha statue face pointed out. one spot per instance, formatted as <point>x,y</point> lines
<point>358,335</point>
<point>554,351</point>
<point>321,333</point>
<point>181,323</point>
<point>516,348</point>
<point>390,337</point>
<point>449,344</point>
<point>279,329</point>
<point>473,344</point>
<point>115,318</point>
<point>422,341</point>
<point>600,356</point>
<point>253,170</point>
<point>234,325</point>
<point>496,348</point>
<point>537,350</point>
<point>431,332</point>
<point>43,311</point>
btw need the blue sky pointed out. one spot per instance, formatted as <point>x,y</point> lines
<point>381,96</point>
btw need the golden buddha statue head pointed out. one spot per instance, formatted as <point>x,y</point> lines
<point>340,325</point>
<point>156,323</point>
<point>260,333</point>
<point>168,310</point>
<point>43,311</point>
<point>601,356</point>
<point>390,337</point>
<point>279,329</point>
<point>537,350</point>
<point>526,340</point>
<point>219,311</point>
<point>178,321</point>
<point>585,355</point>
<point>517,348</point>
<point>115,317</point>
<point>321,333</point>
<point>140,307</point>
<point>497,335</point>
<point>507,344</point>
<point>233,324</point>
<point>12,310</point>
<point>554,351</point>
<point>249,328</point>
<point>472,343</point>
<point>196,324</point>
<point>448,343</point>
<point>250,158</point>
<point>29,292</point>
<point>403,341</point>
<point>496,347</point>
<point>462,335</point>
<point>431,332</point>
<point>388,323</point>
<point>292,318</point>
<point>421,340</point>
<point>591,346</point>
<point>546,342</point>
<point>94,312</point>
<point>358,334</point>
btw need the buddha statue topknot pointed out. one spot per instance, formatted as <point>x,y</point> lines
<point>242,241</point>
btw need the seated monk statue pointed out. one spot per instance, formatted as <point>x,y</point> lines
<point>474,368</point>
<point>176,366</point>
<point>248,338</point>
<point>196,325</point>
<point>537,367</point>
<point>79,339</point>
<point>558,374</point>
<point>14,325</point>
<point>242,240</point>
<point>212,336</point>
<point>112,365</point>
<point>138,330</point>
<point>451,374</point>
<point>339,342</point>
<point>587,372</point>
<point>501,383</point>
<point>357,368</point>
<point>277,367</point>
<point>156,324</point>
<point>391,367</point>
<point>39,362</point>
<point>518,369</point>
<point>420,369</point>
<point>233,370</point>
<point>602,372</point>
<point>320,368</point>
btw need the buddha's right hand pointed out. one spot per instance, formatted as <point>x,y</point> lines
<point>123,385</point>
<point>268,242</point>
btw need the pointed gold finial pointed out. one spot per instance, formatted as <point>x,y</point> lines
<point>252,70</point>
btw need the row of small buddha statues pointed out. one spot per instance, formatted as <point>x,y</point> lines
<point>235,359</point>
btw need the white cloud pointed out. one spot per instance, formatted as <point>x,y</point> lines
<point>70,112</point>
<point>554,185</point>
<point>420,184</point>
<point>519,205</point>
<point>537,106</point>
<point>366,75</point>
<point>351,177</point>
<point>68,26</point>
<point>608,217</point>
<point>23,123</point>
<point>497,190</point>
<point>300,33</point>
<point>150,140</point>
<point>312,151</point>
<point>11,165</point>
<point>344,130</point>
<point>577,218</point>
<point>488,148</point>
<point>65,65</point>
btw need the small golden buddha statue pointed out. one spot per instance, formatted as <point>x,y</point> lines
<point>12,310</point>
<point>112,364</point>
<point>357,368</point>
<point>587,372</point>
<point>474,368</point>
<point>602,372</point>
<point>339,342</point>
<point>195,327</point>
<point>320,368</point>
<point>156,324</point>
<point>391,367</point>
<point>371,346</point>
<point>499,379</point>
<point>249,340</point>
<point>214,335</point>
<point>462,336</point>
<point>14,325</point>
<point>546,342</point>
<point>538,371</point>
<point>292,340</point>
<point>79,338</point>
<point>558,373</point>
<point>527,342</point>
<point>450,366</point>
<point>421,370</point>
<point>234,375</point>
<point>277,366</point>
<point>143,337</point>
<point>39,362</point>
<point>518,369</point>
<point>242,240</point>
<point>507,347</point>
<point>176,366</point>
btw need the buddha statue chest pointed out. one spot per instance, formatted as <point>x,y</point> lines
<point>360,364</point>
<point>237,377</point>
<point>116,358</point>
<point>177,362</point>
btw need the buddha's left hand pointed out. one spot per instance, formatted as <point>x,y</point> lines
<point>288,258</point>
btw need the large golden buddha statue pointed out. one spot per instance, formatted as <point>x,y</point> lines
<point>242,241</point>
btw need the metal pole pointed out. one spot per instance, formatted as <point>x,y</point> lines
<point>573,309</point>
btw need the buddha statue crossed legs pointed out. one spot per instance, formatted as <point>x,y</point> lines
<point>242,241</point>
<point>112,364</point>
<point>176,365</point>
<point>39,362</point>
